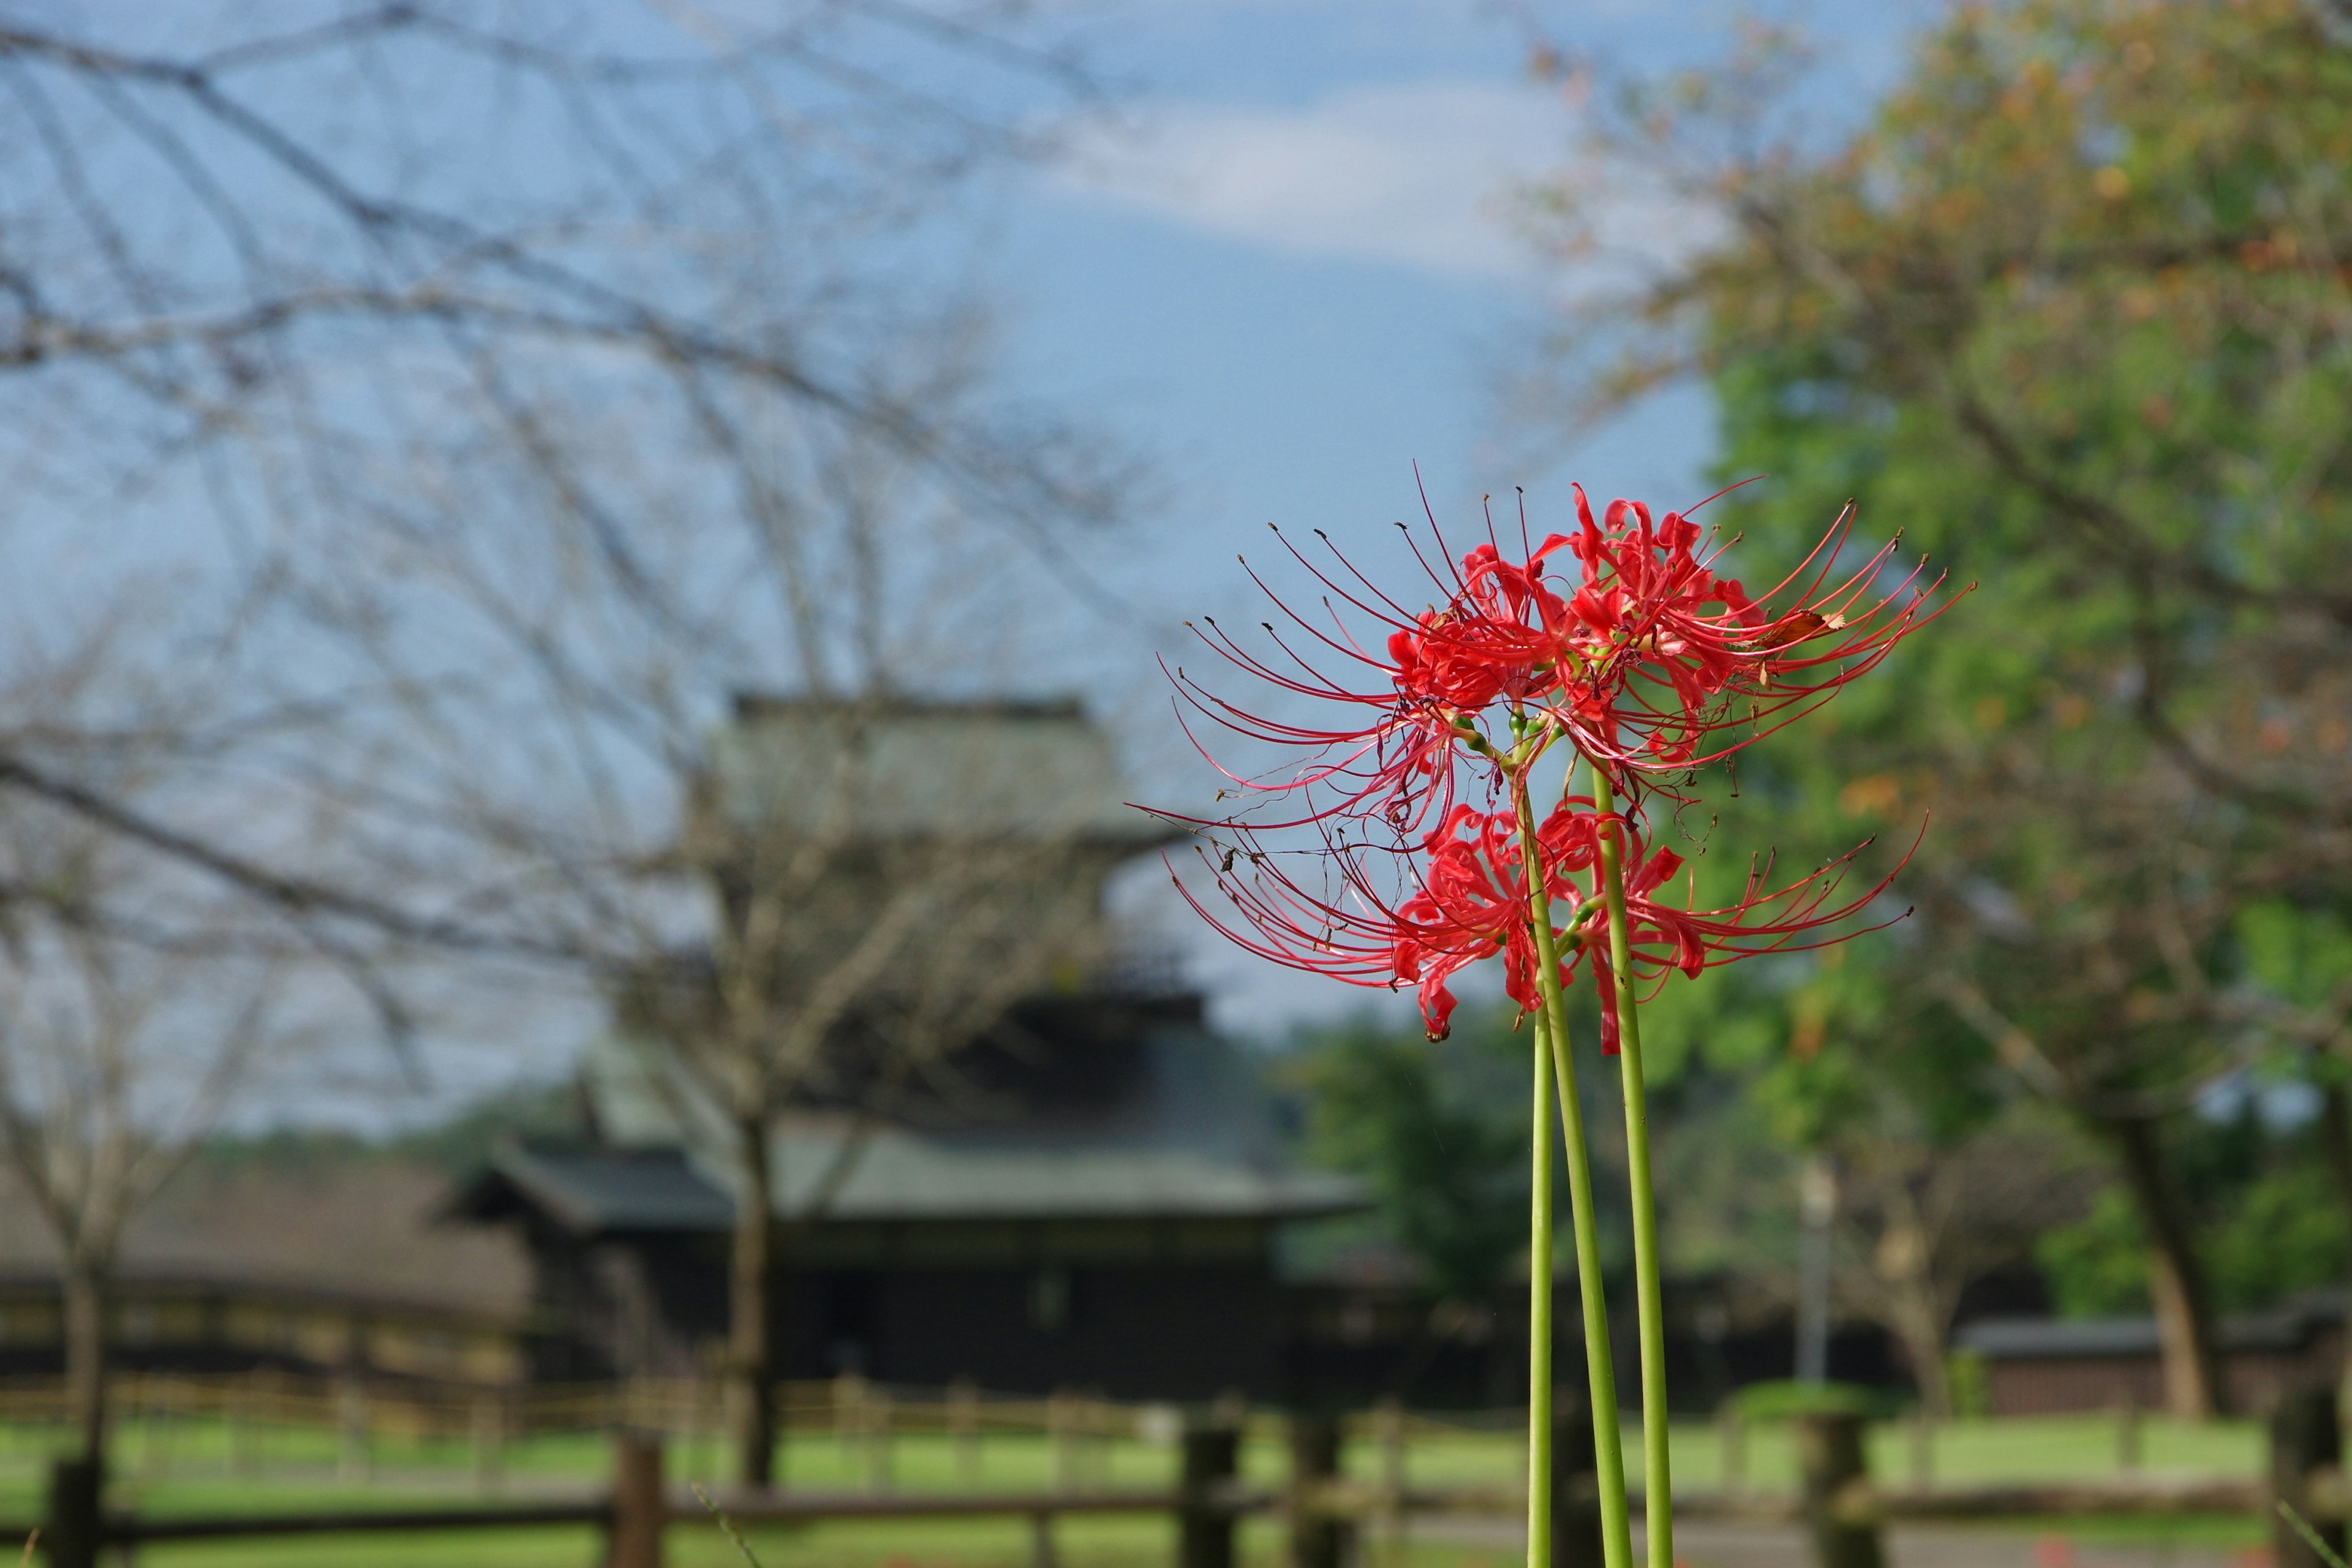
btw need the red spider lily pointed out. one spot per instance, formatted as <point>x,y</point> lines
<point>1495,639</point>
<point>1663,939</point>
<point>1475,885</point>
<point>1471,903</point>
<point>1654,663</point>
<point>1676,666</point>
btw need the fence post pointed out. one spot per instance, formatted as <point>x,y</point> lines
<point>75,1526</point>
<point>1319,1537</point>
<point>640,1507</point>
<point>1042,1552</point>
<point>1838,1504</point>
<point>1204,1519</point>
<point>2304,1437</point>
<point>1575,1484</point>
<point>1733,1428</point>
<point>489,1442</point>
<point>2128,1444</point>
<point>357,1460</point>
<point>1102,1427</point>
<point>963,1421</point>
<point>848,1412</point>
<point>1388,1422</point>
<point>154,1427</point>
<point>237,1411</point>
<point>880,1434</point>
<point>1060,1439</point>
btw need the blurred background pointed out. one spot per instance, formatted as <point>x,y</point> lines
<point>585,593</point>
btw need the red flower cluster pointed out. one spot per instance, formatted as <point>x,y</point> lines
<point>1650,665</point>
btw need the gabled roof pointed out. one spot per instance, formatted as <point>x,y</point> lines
<point>1081,1173</point>
<point>2286,1328</point>
<point>899,1176</point>
<point>1183,1133</point>
<point>591,1190</point>
<point>895,768</point>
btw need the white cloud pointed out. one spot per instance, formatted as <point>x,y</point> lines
<point>1422,174</point>
<point>1415,174</point>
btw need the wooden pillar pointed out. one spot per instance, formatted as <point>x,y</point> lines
<point>1061,1439</point>
<point>881,1432</point>
<point>237,1403</point>
<point>1102,1431</point>
<point>155,1415</point>
<point>1837,1491</point>
<point>489,1441</point>
<point>1204,1521</point>
<point>1575,1484</point>
<point>2305,1438</point>
<point>1319,1538</point>
<point>1923,1450</point>
<point>352,1420</point>
<point>963,1421</point>
<point>1731,1429</point>
<point>1387,1424</point>
<point>848,1411</point>
<point>75,1528</point>
<point>1042,1552</point>
<point>640,1508</point>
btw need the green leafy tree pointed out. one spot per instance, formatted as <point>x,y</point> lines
<point>2070,310</point>
<point>1446,1162</point>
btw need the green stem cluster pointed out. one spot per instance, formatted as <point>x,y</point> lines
<point>1657,1481</point>
<point>1609,1459</point>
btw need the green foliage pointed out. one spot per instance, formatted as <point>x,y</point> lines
<point>1971,1384</point>
<point>2069,313</point>
<point>2271,1223</point>
<point>1783,1399</point>
<point>1435,1130</point>
<point>2287,1232</point>
<point>2097,1267</point>
<point>2294,952</point>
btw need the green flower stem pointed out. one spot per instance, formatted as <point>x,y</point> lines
<point>1657,1484</point>
<point>1539,1314</point>
<point>1609,1459</point>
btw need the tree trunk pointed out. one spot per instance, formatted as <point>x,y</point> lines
<point>751,1327</point>
<point>85,1337</point>
<point>1923,1330</point>
<point>2336,1139</point>
<point>2193,1389</point>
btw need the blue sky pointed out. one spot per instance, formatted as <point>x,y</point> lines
<point>1294,271</point>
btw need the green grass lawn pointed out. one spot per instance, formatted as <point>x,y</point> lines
<point>187,1466</point>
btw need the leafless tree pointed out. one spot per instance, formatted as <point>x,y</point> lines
<point>136,1009</point>
<point>278,277</point>
<point>888,878</point>
<point>115,1062</point>
<point>549,379</point>
<point>1919,1223</point>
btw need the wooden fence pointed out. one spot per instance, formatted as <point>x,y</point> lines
<point>1326,1512</point>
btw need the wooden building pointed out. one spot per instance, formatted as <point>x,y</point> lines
<point>1109,1222</point>
<point>323,1265</point>
<point>1084,1191</point>
<point>2047,1366</point>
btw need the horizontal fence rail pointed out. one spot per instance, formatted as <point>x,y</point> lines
<point>1837,1502</point>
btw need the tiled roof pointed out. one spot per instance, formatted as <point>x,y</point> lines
<point>1192,1140</point>
<point>593,1190</point>
<point>2287,1328</point>
<point>905,1174</point>
<point>1037,769</point>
